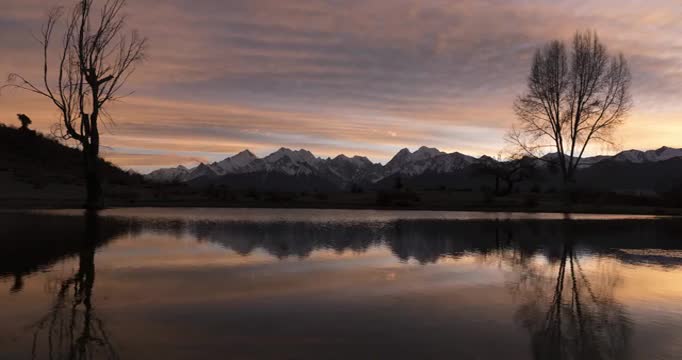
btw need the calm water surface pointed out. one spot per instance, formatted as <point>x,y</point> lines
<point>332,284</point>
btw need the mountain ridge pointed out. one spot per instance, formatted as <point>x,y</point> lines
<point>345,171</point>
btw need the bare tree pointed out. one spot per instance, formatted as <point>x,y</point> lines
<point>509,171</point>
<point>95,59</point>
<point>574,98</point>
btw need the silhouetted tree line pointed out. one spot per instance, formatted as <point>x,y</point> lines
<point>507,173</point>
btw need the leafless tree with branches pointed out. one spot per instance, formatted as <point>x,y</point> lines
<point>95,59</point>
<point>574,97</point>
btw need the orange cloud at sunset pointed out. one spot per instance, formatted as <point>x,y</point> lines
<point>355,77</point>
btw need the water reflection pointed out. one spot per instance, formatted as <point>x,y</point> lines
<point>35,242</point>
<point>562,276</point>
<point>567,315</point>
<point>71,329</point>
<point>428,241</point>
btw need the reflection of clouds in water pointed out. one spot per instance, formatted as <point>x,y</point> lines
<point>453,278</point>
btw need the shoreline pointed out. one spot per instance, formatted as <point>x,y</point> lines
<point>580,209</point>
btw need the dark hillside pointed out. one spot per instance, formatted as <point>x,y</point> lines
<point>263,181</point>
<point>35,167</point>
<point>611,175</point>
<point>30,155</point>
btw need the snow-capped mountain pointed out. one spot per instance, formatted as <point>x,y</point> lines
<point>168,174</point>
<point>292,162</point>
<point>236,163</point>
<point>451,162</point>
<point>585,162</point>
<point>344,171</point>
<point>297,156</point>
<point>426,160</point>
<point>200,171</point>
<point>287,161</point>
<point>633,156</point>
<point>638,156</point>
<point>404,157</point>
<point>351,170</point>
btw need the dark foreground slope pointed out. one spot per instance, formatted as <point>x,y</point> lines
<point>269,181</point>
<point>652,177</point>
<point>35,169</point>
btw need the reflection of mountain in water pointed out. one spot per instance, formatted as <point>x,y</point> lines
<point>429,240</point>
<point>568,313</point>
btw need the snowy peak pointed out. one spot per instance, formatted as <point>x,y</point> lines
<point>427,159</point>
<point>168,174</point>
<point>236,162</point>
<point>350,170</point>
<point>345,170</point>
<point>404,157</point>
<point>361,161</point>
<point>425,153</point>
<point>634,156</point>
<point>638,156</point>
<point>292,162</point>
<point>199,171</point>
<point>358,161</point>
<point>297,156</point>
<point>245,156</point>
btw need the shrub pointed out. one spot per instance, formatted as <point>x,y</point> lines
<point>530,201</point>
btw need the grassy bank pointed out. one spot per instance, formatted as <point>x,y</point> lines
<point>151,195</point>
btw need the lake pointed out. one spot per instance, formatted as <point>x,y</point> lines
<point>338,284</point>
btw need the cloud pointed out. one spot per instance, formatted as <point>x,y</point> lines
<point>353,76</point>
<point>136,161</point>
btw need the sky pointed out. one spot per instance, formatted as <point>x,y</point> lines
<point>365,77</point>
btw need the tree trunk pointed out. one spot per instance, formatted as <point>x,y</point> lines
<point>93,185</point>
<point>568,177</point>
<point>509,186</point>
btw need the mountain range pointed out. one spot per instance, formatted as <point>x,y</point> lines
<point>300,170</point>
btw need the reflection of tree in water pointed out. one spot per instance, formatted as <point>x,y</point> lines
<point>72,329</point>
<point>426,241</point>
<point>568,314</point>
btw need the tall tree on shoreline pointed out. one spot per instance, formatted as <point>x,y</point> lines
<point>96,57</point>
<point>574,97</point>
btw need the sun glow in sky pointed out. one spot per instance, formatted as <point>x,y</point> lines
<point>364,77</point>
